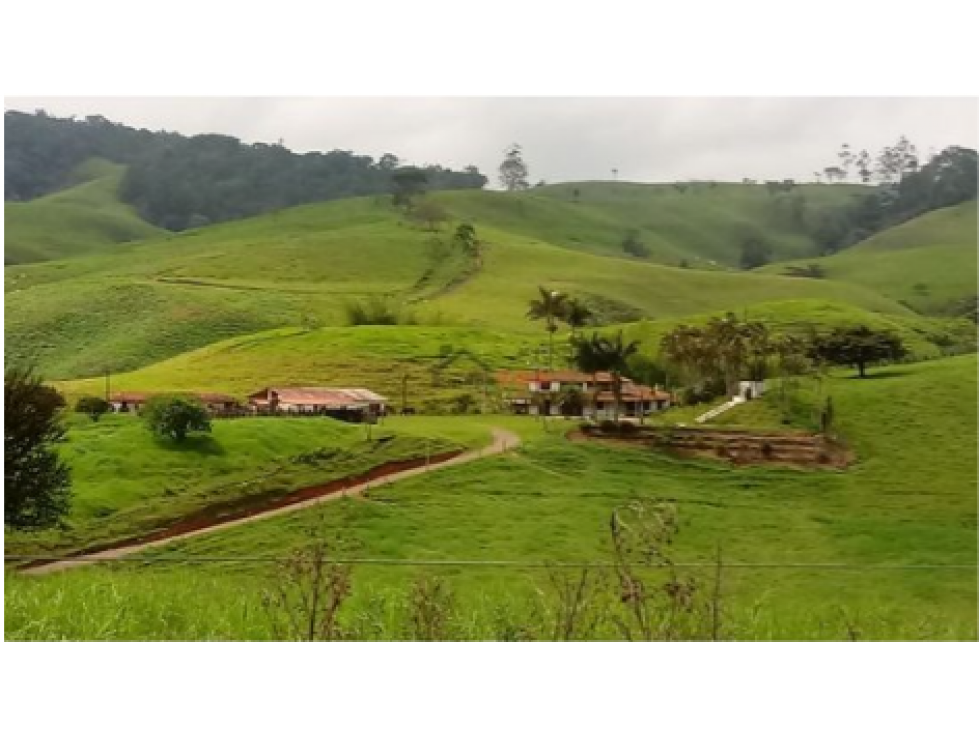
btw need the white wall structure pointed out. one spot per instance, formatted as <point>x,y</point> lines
<point>749,389</point>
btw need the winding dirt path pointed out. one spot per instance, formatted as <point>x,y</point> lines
<point>502,441</point>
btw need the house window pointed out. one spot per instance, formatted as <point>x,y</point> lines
<point>545,386</point>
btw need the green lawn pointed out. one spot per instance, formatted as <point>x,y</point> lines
<point>910,499</point>
<point>87,217</point>
<point>128,482</point>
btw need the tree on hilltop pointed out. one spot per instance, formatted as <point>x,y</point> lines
<point>514,174</point>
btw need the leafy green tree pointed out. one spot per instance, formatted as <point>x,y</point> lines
<point>856,346</point>
<point>549,308</point>
<point>646,371</point>
<point>430,214</point>
<point>175,416</point>
<point>723,351</point>
<point>633,245</point>
<point>388,162</point>
<point>36,481</point>
<point>863,163</point>
<point>847,159</point>
<point>408,184</point>
<point>513,171</point>
<point>465,238</point>
<point>92,406</point>
<point>834,174</point>
<point>755,252</point>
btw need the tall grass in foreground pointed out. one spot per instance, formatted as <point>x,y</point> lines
<point>102,604</point>
<point>639,594</point>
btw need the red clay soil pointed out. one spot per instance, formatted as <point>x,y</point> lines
<point>221,513</point>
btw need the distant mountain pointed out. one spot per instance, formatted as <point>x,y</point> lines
<point>178,182</point>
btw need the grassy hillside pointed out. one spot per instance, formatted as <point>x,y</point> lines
<point>88,217</point>
<point>703,224</point>
<point>927,262</point>
<point>148,302</point>
<point>925,337</point>
<point>127,482</point>
<point>380,357</point>
<point>376,357</point>
<point>909,500</point>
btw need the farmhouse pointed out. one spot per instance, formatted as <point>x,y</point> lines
<point>350,404</point>
<point>133,402</point>
<point>577,394</point>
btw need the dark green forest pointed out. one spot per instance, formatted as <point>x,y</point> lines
<point>177,182</point>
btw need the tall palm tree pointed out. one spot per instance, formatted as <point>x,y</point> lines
<point>617,352</point>
<point>550,307</point>
<point>604,354</point>
<point>577,315</point>
<point>589,357</point>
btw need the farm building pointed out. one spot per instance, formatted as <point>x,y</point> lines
<point>133,402</point>
<point>577,394</point>
<point>351,404</point>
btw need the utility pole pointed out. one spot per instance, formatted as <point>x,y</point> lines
<point>404,392</point>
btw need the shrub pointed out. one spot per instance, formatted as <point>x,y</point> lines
<point>634,246</point>
<point>463,403</point>
<point>376,311</point>
<point>608,426</point>
<point>628,429</point>
<point>92,406</point>
<point>174,416</point>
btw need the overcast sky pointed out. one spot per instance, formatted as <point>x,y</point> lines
<point>564,139</point>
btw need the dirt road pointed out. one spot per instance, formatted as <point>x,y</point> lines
<point>502,441</point>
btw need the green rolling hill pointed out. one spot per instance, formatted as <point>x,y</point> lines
<point>380,357</point>
<point>87,217</point>
<point>928,262</point>
<point>145,302</point>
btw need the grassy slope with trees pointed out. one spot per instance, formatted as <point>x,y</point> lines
<point>84,218</point>
<point>910,499</point>
<point>928,262</point>
<point>146,302</point>
<point>378,357</point>
<point>127,482</point>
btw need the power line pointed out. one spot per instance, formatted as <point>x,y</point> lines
<point>529,565</point>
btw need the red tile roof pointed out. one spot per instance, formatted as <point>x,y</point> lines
<point>526,376</point>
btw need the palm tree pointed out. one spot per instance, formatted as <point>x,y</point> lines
<point>617,352</point>
<point>550,307</point>
<point>604,354</point>
<point>576,315</point>
<point>589,356</point>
